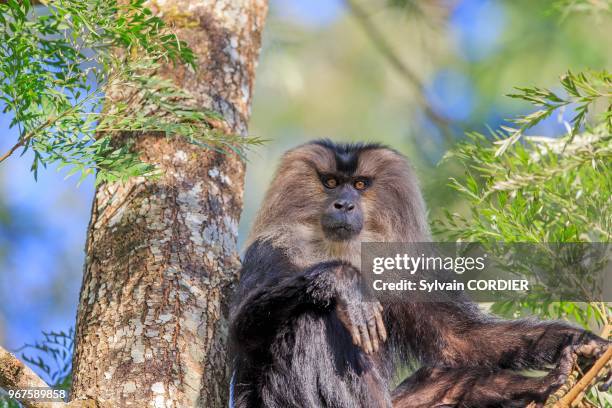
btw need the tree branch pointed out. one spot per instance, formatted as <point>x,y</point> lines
<point>586,381</point>
<point>12,150</point>
<point>383,46</point>
<point>573,391</point>
<point>47,124</point>
<point>14,374</point>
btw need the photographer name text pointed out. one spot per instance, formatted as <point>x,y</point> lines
<point>424,285</point>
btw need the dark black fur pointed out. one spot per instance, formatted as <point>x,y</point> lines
<point>291,350</point>
<point>347,154</point>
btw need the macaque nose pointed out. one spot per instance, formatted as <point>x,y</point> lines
<point>344,205</point>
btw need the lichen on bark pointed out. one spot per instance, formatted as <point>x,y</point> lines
<point>161,256</point>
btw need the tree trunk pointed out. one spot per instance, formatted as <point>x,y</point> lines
<point>161,253</point>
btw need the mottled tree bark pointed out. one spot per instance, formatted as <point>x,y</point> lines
<point>161,253</point>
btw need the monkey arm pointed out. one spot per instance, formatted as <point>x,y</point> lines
<point>458,334</point>
<point>476,387</point>
<point>272,291</point>
<point>258,316</point>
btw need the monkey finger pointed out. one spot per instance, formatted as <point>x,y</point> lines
<point>558,376</point>
<point>586,350</point>
<point>355,335</point>
<point>349,325</point>
<point>373,334</point>
<point>601,349</point>
<point>366,343</point>
<point>343,316</point>
<point>604,378</point>
<point>566,362</point>
<point>591,349</point>
<point>380,325</point>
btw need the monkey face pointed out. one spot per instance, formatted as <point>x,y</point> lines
<point>342,215</point>
<point>330,196</point>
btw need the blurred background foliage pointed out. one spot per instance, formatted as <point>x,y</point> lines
<point>416,75</point>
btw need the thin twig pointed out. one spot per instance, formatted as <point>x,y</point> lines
<point>585,381</point>
<point>12,150</point>
<point>396,62</point>
<point>46,124</point>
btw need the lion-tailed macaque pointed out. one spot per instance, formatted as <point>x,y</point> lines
<point>304,335</point>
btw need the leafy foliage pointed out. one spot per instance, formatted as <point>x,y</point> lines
<point>540,189</point>
<point>6,402</point>
<point>582,90</point>
<point>53,357</point>
<point>58,64</point>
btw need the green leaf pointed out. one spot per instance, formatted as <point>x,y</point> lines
<point>57,109</point>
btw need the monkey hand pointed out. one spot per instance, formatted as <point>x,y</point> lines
<point>363,319</point>
<point>364,322</point>
<point>590,346</point>
<point>555,384</point>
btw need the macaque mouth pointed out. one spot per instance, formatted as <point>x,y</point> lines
<point>335,230</point>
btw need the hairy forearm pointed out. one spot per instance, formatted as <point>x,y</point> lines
<point>527,343</point>
<point>474,387</point>
<point>459,334</point>
<point>516,344</point>
<point>274,302</point>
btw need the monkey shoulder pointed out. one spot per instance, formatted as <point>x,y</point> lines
<point>263,262</point>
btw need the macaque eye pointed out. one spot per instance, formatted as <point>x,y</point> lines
<point>330,182</point>
<point>360,184</point>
